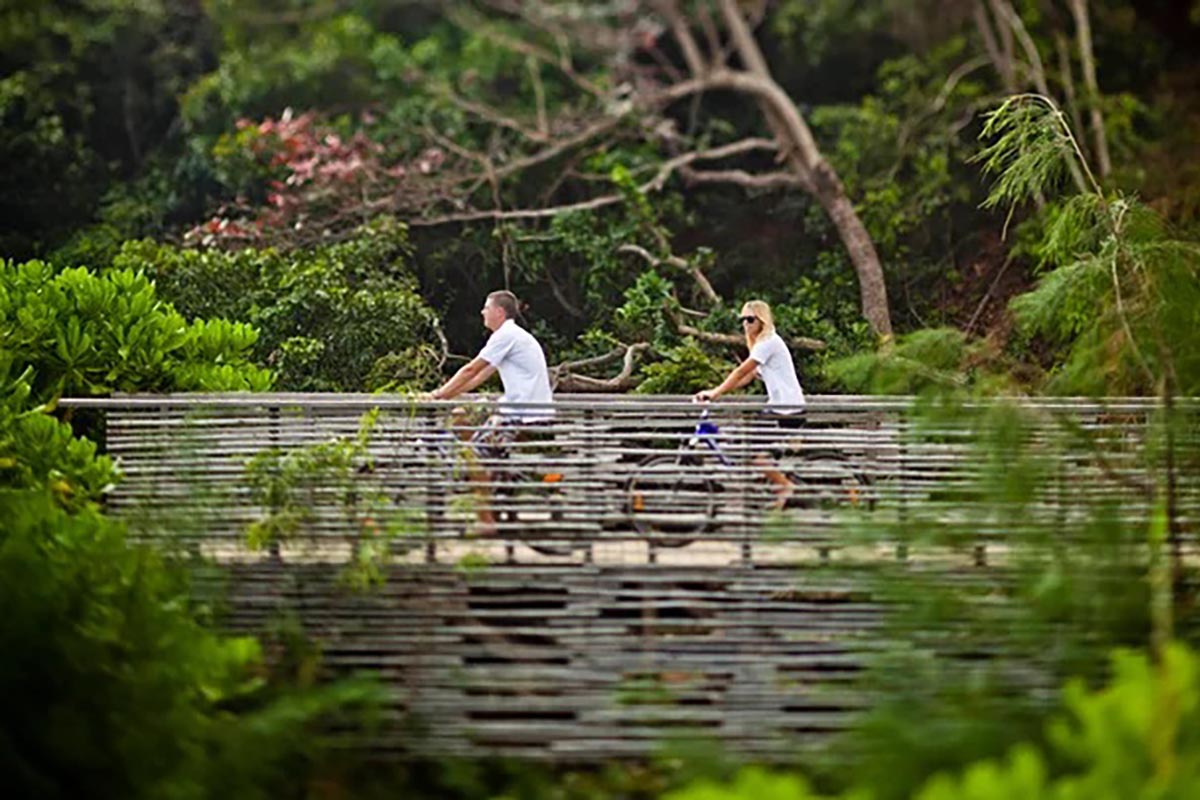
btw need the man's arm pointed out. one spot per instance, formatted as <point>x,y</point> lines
<point>471,375</point>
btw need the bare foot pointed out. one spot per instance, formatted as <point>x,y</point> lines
<point>483,528</point>
<point>782,495</point>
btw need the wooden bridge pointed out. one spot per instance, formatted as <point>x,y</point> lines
<point>639,586</point>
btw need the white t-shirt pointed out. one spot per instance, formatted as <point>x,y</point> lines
<point>518,357</point>
<point>778,372</point>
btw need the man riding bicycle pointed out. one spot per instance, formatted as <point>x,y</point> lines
<point>518,357</point>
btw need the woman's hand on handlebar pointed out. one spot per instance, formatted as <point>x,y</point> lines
<point>704,396</point>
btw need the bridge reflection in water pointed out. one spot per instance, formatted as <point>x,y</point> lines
<point>643,582</point>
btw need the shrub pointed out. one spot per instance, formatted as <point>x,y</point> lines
<point>331,318</point>
<point>88,334</point>
<point>113,688</point>
<point>38,451</point>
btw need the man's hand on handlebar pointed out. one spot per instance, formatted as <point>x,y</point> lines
<point>704,396</point>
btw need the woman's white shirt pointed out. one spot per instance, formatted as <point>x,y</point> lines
<point>519,359</point>
<point>778,372</point>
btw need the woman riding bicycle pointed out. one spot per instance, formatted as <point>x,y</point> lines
<point>770,360</point>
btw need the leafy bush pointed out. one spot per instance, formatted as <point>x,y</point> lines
<point>88,334</point>
<point>38,451</point>
<point>683,370</point>
<point>1138,737</point>
<point>328,316</point>
<point>112,687</point>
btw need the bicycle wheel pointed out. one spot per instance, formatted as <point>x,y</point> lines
<point>667,500</point>
<point>827,481</point>
<point>534,499</point>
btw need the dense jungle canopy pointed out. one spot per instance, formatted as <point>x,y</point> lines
<point>352,177</point>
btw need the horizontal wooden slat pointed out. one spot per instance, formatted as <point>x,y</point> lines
<point>581,631</point>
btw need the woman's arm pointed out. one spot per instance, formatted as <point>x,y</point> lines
<point>740,375</point>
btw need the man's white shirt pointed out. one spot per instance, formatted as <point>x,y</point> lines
<point>519,359</point>
<point>778,372</point>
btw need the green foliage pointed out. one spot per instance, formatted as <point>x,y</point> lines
<point>1138,737</point>
<point>684,369</point>
<point>332,318</point>
<point>933,361</point>
<point>902,193</point>
<point>289,483</point>
<point>1121,301</point>
<point>643,315</point>
<point>38,451</point>
<point>752,783</point>
<point>1076,581</point>
<point>48,168</point>
<point>265,68</point>
<point>89,93</point>
<point>1031,152</point>
<point>113,689</point>
<point>86,334</point>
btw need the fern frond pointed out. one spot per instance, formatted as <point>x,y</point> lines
<point>1065,301</point>
<point>1030,151</point>
<point>1076,226</point>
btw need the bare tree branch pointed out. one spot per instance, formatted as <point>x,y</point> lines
<point>557,149</point>
<point>738,177</point>
<point>693,270</point>
<point>733,340</point>
<point>655,184</point>
<point>487,113</point>
<point>563,379</point>
<point>799,147</point>
<point>683,35</point>
<point>539,93</point>
<point>1067,78</point>
<point>472,22</point>
<point>1002,60</point>
<point>1008,54</point>
<point>719,55</point>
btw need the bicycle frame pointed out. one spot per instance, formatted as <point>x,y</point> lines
<point>707,433</point>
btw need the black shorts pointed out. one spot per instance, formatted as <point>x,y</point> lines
<point>787,422</point>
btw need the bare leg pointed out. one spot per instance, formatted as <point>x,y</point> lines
<point>784,488</point>
<point>483,498</point>
<point>477,475</point>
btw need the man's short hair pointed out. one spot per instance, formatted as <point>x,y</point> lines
<point>508,301</point>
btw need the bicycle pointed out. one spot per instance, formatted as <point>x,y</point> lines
<point>521,492</point>
<point>675,496</point>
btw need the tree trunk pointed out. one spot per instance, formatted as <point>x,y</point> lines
<point>872,289</point>
<point>804,157</point>
<point>1083,32</point>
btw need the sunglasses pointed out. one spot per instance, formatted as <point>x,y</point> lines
<point>748,320</point>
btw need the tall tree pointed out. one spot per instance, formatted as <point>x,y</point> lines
<point>652,56</point>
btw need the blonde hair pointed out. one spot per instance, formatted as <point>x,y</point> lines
<point>761,310</point>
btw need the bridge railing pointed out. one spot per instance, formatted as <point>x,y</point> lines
<point>702,612</point>
<point>320,472</point>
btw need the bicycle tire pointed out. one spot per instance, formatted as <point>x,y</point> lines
<point>509,482</point>
<point>669,507</point>
<point>828,480</point>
